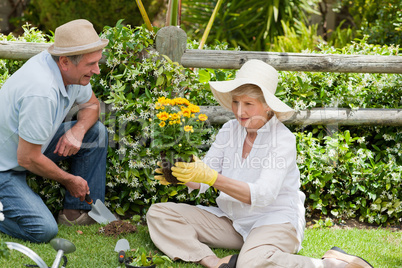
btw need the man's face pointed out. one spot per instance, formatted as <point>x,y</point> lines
<point>81,73</point>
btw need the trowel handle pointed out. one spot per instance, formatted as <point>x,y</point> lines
<point>122,255</point>
<point>88,199</point>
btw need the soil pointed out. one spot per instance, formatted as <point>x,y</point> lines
<point>166,168</point>
<point>116,228</point>
<point>353,223</point>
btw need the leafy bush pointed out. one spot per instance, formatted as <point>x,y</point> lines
<point>345,171</point>
<point>49,14</point>
<point>251,24</point>
<point>381,22</point>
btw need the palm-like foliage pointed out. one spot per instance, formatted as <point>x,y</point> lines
<point>250,24</point>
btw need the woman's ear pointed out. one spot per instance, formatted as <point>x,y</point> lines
<point>270,112</point>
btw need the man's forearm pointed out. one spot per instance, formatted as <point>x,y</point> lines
<point>88,115</point>
<point>44,167</point>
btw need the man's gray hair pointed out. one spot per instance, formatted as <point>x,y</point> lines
<point>74,59</point>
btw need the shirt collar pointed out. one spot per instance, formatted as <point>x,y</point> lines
<point>57,74</point>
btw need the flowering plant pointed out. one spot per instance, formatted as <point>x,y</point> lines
<point>178,128</point>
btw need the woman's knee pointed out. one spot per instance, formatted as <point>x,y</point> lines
<point>155,210</point>
<point>260,255</point>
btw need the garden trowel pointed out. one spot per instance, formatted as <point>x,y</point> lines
<point>99,212</point>
<point>121,247</point>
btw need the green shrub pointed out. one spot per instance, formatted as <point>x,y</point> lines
<point>381,22</point>
<point>345,171</point>
<point>52,13</point>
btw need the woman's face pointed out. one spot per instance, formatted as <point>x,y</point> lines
<point>250,112</point>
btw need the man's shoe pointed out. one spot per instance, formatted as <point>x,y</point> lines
<point>83,219</point>
<point>353,261</point>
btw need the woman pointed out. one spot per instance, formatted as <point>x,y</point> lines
<point>253,164</point>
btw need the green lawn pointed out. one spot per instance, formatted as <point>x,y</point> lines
<point>381,247</point>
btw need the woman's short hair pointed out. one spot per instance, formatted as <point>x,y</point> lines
<point>250,90</point>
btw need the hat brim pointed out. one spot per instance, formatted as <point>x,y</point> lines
<point>73,51</point>
<point>222,89</point>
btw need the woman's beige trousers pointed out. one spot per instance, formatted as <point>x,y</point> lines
<point>185,232</point>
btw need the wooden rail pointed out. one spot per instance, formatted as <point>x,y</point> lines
<point>322,116</point>
<point>222,59</point>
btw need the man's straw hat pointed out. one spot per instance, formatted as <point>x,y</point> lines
<point>258,73</point>
<point>75,38</point>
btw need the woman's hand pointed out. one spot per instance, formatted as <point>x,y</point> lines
<point>196,171</point>
<point>162,180</point>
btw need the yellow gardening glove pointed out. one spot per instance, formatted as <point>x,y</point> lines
<point>160,178</point>
<point>196,171</point>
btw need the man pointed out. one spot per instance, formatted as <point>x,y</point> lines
<point>34,102</point>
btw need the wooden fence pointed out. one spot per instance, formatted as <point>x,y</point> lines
<point>171,41</point>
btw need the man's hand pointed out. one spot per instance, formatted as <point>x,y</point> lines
<point>70,143</point>
<point>78,187</point>
<point>196,171</point>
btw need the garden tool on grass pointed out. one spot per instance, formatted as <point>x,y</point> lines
<point>62,246</point>
<point>121,247</point>
<point>99,212</point>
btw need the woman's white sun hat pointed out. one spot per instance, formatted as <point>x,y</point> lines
<point>76,37</point>
<point>258,73</point>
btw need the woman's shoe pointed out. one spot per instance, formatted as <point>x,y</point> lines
<point>353,261</point>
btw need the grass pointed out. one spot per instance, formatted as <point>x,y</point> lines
<point>381,247</point>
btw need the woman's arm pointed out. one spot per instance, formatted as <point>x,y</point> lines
<point>237,189</point>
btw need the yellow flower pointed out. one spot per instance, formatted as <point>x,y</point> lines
<point>162,100</point>
<point>186,112</point>
<point>188,128</point>
<point>163,116</point>
<point>162,124</point>
<point>202,117</point>
<point>181,101</point>
<point>194,108</point>
<point>174,116</point>
<point>158,106</point>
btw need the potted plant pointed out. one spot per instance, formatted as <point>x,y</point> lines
<point>140,258</point>
<point>178,129</point>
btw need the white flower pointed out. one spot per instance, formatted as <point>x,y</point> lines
<point>1,206</point>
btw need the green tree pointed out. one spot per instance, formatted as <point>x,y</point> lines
<point>49,14</point>
<point>250,24</point>
<point>380,20</point>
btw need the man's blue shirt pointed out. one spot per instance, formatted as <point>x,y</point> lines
<point>33,104</point>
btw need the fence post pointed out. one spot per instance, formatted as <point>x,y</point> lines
<point>171,41</point>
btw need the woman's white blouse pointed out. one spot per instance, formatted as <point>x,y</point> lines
<point>270,171</point>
